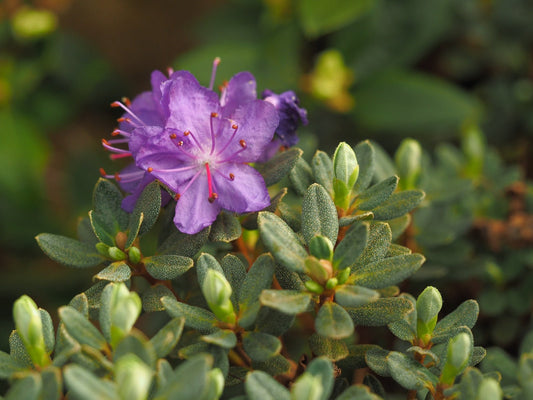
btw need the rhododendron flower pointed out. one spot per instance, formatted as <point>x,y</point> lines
<point>202,151</point>
<point>144,110</point>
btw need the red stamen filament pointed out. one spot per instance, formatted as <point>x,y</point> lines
<point>212,195</point>
<point>117,156</point>
<point>213,115</point>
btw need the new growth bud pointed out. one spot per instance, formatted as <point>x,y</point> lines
<point>346,172</point>
<point>428,306</point>
<point>217,292</point>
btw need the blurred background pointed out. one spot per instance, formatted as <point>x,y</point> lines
<point>384,70</point>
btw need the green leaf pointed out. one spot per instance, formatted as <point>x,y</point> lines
<point>235,272</point>
<point>413,102</point>
<point>48,330</point>
<point>118,271</point>
<point>222,338</point>
<point>84,385</point>
<point>333,349</point>
<point>18,351</point>
<point>167,337</point>
<point>318,18</point>
<point>69,252</point>
<point>358,392</point>
<point>27,388</point>
<point>80,303</point>
<point>136,343</point>
<point>333,321</point>
<point>195,317</point>
<point>321,247</point>
<point>380,312</point>
<point>306,387</point>
<point>184,245</point>
<point>377,245</point>
<point>273,321</point>
<point>98,225</point>
<point>226,228</point>
<point>148,204</point>
<point>376,359</point>
<point>279,166</point>
<point>259,277</point>
<point>281,241</point>
<point>10,365</point>
<point>399,225</point>
<point>464,315</point>
<point>276,365</point>
<point>133,378</point>
<point>80,328</point>
<point>287,301</point>
<point>301,176</point>
<point>204,264</point>
<point>405,328</point>
<point>351,246</point>
<point>322,369</point>
<point>107,203</point>
<point>189,380</point>
<point>261,346</point>
<point>398,204</point>
<point>388,271</point>
<point>377,194</point>
<point>169,266</point>
<point>152,298</point>
<point>366,158</point>
<point>408,160</point>
<point>319,214</point>
<point>322,167</point>
<point>133,228</point>
<point>52,388</point>
<point>409,373</point>
<point>261,386</point>
<point>354,296</point>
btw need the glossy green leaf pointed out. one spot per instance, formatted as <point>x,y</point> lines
<point>281,241</point>
<point>167,266</point>
<point>68,251</point>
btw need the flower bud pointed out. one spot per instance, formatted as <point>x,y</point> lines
<point>125,308</point>
<point>314,287</point>
<point>134,254</point>
<point>216,378</point>
<point>318,270</point>
<point>428,306</point>
<point>331,283</point>
<point>30,329</point>
<point>408,159</point>
<point>116,254</point>
<point>321,247</point>
<point>343,275</point>
<point>133,378</point>
<point>459,353</point>
<point>103,249</point>
<point>217,292</point>
<point>346,172</point>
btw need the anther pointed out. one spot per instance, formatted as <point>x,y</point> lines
<point>186,133</point>
<point>173,136</point>
<point>105,142</point>
<point>122,119</point>
<point>180,143</point>
<point>115,104</point>
<point>214,115</point>
<point>126,101</point>
<point>231,177</point>
<point>117,177</point>
<point>149,169</point>
<point>213,197</point>
<point>242,143</point>
<point>234,126</point>
<point>116,132</point>
<point>177,196</point>
<point>102,172</point>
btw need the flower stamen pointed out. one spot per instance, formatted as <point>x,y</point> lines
<point>234,127</point>
<point>216,61</point>
<point>212,195</point>
<point>125,108</point>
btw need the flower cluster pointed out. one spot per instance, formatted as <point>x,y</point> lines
<point>199,144</point>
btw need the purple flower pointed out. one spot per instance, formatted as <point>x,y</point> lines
<point>290,115</point>
<point>202,151</point>
<point>145,110</point>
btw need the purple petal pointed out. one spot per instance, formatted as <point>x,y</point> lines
<point>256,122</point>
<point>141,136</point>
<point>190,105</point>
<point>128,203</point>
<point>194,212</point>
<point>245,193</point>
<point>241,89</point>
<point>146,109</point>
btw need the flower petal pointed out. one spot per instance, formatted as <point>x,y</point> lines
<point>245,193</point>
<point>194,212</point>
<point>190,105</point>
<point>241,89</point>
<point>257,121</point>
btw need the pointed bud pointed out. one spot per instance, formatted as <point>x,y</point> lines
<point>428,305</point>
<point>321,248</point>
<point>133,378</point>
<point>125,307</point>
<point>30,329</point>
<point>318,270</point>
<point>217,292</point>
<point>459,353</point>
<point>343,275</point>
<point>346,172</point>
<point>408,159</point>
<point>134,255</point>
<point>314,287</point>
<point>103,249</point>
<point>332,283</point>
<point>116,254</point>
